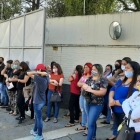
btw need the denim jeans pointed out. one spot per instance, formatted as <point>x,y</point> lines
<point>82,103</point>
<point>108,118</point>
<point>115,131</point>
<point>93,113</point>
<point>49,106</point>
<point>137,136</point>
<point>3,92</point>
<point>38,118</point>
<point>6,97</point>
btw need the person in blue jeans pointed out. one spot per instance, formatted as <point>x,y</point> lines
<point>94,90</point>
<point>56,81</point>
<point>39,98</point>
<point>82,102</point>
<point>2,93</point>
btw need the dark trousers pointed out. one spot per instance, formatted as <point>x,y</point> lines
<point>118,118</point>
<point>21,103</point>
<point>74,107</point>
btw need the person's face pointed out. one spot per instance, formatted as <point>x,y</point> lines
<point>8,65</point>
<point>1,61</point>
<point>94,69</point>
<point>108,68</point>
<point>138,81</point>
<point>124,62</point>
<point>55,69</point>
<point>128,68</point>
<point>86,69</point>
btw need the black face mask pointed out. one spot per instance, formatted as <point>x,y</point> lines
<point>117,66</point>
<point>0,62</point>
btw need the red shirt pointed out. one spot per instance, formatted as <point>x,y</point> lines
<point>57,78</point>
<point>73,87</point>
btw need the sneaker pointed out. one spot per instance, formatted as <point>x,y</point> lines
<point>21,120</point>
<point>1,104</point>
<point>38,138</point>
<point>18,118</point>
<point>102,116</point>
<point>32,132</point>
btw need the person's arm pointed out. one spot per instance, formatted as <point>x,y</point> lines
<point>72,77</point>
<point>3,71</point>
<point>100,92</point>
<point>80,83</point>
<point>61,81</point>
<point>126,105</point>
<point>136,113</point>
<point>32,73</point>
<point>26,78</point>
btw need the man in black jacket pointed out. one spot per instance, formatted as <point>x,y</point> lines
<point>1,81</point>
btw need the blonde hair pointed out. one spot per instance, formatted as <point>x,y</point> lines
<point>16,62</point>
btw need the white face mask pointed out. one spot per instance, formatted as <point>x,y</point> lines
<point>54,70</point>
<point>122,67</point>
<point>94,73</point>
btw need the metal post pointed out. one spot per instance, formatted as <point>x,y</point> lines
<point>1,11</point>
<point>84,7</point>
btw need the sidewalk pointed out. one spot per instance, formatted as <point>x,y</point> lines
<point>10,130</point>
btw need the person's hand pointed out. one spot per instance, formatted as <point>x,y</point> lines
<point>5,75</point>
<point>55,82</point>
<point>7,83</point>
<point>111,102</point>
<point>88,89</point>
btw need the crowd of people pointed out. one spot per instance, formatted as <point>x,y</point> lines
<point>113,92</point>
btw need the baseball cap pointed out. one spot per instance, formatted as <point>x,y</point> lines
<point>40,66</point>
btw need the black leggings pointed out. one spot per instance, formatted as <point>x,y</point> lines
<point>74,107</point>
<point>119,118</point>
<point>21,103</point>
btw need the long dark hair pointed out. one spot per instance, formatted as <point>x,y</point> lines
<point>79,69</point>
<point>58,67</point>
<point>136,67</point>
<point>109,65</point>
<point>24,67</point>
<point>127,59</point>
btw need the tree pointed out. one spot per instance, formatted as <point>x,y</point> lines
<point>75,7</point>
<point>10,8</point>
<point>130,5</point>
<point>31,5</point>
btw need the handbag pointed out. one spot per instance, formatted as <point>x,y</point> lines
<point>56,95</point>
<point>28,91</point>
<point>125,133</point>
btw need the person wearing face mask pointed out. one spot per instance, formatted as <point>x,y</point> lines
<point>75,94</point>
<point>56,81</point>
<point>2,95</point>
<point>133,104</point>
<point>122,90</point>
<point>82,102</point>
<point>13,91</point>
<point>94,91</point>
<point>6,73</point>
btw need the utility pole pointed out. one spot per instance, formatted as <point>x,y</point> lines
<point>84,7</point>
<point>1,10</point>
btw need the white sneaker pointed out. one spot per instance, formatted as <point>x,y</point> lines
<point>102,116</point>
<point>32,132</point>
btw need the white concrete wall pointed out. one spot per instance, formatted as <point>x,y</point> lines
<point>69,57</point>
<point>93,30</point>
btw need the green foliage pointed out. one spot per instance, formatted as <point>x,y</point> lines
<point>10,8</point>
<point>76,7</point>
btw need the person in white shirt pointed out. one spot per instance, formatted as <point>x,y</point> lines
<point>133,104</point>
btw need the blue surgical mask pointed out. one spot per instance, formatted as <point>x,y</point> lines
<point>15,66</point>
<point>128,74</point>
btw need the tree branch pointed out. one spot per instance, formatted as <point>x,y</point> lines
<point>126,7</point>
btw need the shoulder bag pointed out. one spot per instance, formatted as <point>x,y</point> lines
<point>125,133</point>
